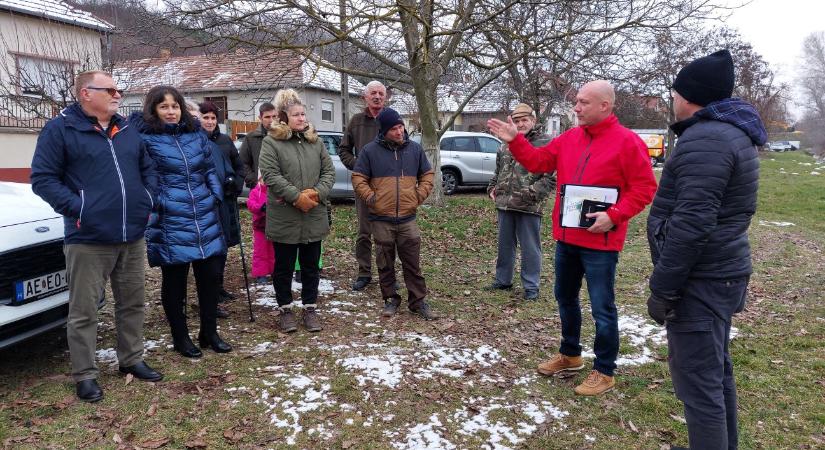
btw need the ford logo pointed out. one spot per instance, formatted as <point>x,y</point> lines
<point>41,229</point>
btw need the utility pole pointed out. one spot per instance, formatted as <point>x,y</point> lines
<point>344,77</point>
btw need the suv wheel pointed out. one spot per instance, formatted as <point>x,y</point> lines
<point>449,181</point>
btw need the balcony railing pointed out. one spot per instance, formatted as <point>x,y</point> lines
<point>19,111</point>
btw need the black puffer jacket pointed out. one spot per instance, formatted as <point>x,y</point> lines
<point>698,223</point>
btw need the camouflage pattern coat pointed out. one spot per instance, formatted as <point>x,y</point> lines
<point>517,189</point>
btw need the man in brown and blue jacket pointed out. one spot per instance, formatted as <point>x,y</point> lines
<point>520,197</point>
<point>393,177</point>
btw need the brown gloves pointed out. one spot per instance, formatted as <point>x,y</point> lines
<point>307,200</point>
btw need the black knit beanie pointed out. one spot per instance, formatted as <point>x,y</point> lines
<point>707,79</point>
<point>387,119</point>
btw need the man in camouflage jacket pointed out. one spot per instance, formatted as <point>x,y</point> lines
<point>520,197</point>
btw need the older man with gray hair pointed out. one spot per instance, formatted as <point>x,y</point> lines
<point>361,130</point>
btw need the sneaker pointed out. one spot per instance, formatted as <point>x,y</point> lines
<point>531,295</point>
<point>424,311</point>
<point>496,286</point>
<point>312,320</point>
<point>262,280</point>
<point>560,363</point>
<point>361,283</point>
<point>287,321</point>
<point>596,383</point>
<point>391,306</point>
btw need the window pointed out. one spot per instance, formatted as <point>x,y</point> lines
<point>488,145</point>
<point>331,143</point>
<point>220,103</point>
<point>464,144</point>
<point>327,111</point>
<point>45,77</point>
<point>447,144</point>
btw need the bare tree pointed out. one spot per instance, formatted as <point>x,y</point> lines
<point>812,86</point>
<point>418,43</point>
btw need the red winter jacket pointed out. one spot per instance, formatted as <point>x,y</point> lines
<point>604,154</point>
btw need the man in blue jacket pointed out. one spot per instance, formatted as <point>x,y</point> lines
<point>93,168</point>
<point>698,235</point>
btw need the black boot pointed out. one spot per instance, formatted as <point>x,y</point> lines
<point>214,341</point>
<point>89,391</point>
<point>186,347</point>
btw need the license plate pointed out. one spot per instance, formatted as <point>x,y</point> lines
<point>36,288</point>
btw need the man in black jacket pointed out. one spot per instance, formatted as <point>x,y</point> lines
<point>251,146</point>
<point>697,231</point>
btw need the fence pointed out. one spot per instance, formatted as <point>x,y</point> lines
<point>19,111</point>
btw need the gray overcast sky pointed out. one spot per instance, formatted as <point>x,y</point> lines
<point>776,29</point>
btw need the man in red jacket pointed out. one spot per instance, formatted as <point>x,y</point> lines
<point>599,152</point>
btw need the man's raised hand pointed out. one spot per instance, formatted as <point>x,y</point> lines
<point>506,131</point>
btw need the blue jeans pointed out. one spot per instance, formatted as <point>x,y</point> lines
<point>598,267</point>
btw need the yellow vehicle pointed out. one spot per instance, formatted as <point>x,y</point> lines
<point>655,140</point>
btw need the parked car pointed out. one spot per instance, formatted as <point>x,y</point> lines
<point>342,189</point>
<point>467,159</point>
<point>34,296</point>
<point>780,146</point>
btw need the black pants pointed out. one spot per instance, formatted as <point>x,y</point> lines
<point>173,294</point>
<point>308,256</point>
<point>221,270</point>
<point>700,363</point>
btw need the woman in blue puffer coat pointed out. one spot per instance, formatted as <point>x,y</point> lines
<point>185,228</point>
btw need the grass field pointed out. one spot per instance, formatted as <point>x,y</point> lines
<point>465,381</point>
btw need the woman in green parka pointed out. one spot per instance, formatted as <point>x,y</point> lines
<point>298,174</point>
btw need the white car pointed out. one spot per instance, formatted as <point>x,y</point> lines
<point>467,159</point>
<point>34,295</point>
<point>780,146</point>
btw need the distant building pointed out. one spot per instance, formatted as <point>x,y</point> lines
<point>239,82</point>
<point>43,45</point>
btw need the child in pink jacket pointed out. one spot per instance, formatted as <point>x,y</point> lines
<point>263,254</point>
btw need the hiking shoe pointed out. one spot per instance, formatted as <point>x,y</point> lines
<point>531,295</point>
<point>391,306</point>
<point>423,310</point>
<point>287,322</point>
<point>560,363</point>
<point>496,286</point>
<point>596,383</point>
<point>360,283</point>
<point>221,313</point>
<point>312,320</point>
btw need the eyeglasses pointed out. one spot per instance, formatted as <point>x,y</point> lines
<point>110,91</point>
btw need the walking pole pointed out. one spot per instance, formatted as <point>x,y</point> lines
<point>243,262</point>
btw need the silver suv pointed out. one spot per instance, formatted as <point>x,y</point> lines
<point>467,159</point>
<point>342,189</point>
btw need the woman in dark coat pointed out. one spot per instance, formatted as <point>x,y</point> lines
<point>185,229</point>
<point>231,172</point>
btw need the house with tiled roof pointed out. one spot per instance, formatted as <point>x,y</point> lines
<point>43,45</point>
<point>239,82</point>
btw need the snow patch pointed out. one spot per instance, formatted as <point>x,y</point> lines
<point>768,223</point>
<point>425,437</point>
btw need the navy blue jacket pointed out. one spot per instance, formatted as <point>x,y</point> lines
<point>698,223</point>
<point>187,225</point>
<point>228,166</point>
<point>103,182</point>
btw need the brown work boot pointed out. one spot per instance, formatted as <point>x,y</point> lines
<point>560,363</point>
<point>312,321</point>
<point>596,383</point>
<point>287,321</point>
